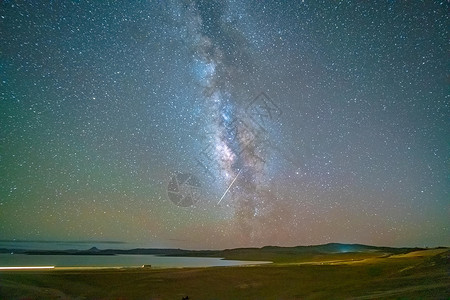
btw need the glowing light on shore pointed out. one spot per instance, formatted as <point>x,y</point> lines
<point>27,268</point>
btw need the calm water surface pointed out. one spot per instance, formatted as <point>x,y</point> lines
<point>22,260</point>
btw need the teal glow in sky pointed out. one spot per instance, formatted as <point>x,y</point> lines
<point>323,121</point>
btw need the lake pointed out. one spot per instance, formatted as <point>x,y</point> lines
<point>22,260</point>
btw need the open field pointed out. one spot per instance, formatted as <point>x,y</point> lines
<point>414,275</point>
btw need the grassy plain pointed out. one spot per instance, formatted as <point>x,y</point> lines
<point>360,275</point>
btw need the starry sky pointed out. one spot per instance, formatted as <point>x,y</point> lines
<point>219,124</point>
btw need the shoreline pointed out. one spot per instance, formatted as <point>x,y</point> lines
<point>420,274</point>
<point>141,267</point>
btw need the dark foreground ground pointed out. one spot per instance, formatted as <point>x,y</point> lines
<point>414,275</point>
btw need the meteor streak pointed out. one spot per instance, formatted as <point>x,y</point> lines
<point>229,187</point>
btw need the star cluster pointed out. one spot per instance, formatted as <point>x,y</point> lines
<point>303,122</point>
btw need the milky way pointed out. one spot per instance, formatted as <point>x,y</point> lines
<point>295,122</point>
<point>236,142</point>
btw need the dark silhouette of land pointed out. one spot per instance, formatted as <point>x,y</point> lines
<point>247,253</point>
<point>332,271</point>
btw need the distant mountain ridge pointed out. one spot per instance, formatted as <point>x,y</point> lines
<point>311,249</point>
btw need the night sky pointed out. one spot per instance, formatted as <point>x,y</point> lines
<point>218,124</point>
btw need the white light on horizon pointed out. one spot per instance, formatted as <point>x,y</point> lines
<point>27,268</point>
